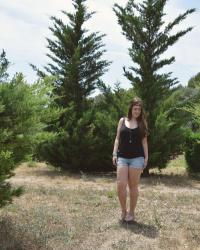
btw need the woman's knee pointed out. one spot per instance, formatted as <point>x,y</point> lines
<point>134,189</point>
<point>122,184</point>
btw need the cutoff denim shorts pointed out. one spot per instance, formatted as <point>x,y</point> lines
<point>137,162</point>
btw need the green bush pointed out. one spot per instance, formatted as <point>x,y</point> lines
<point>26,113</point>
<point>86,143</point>
<point>192,152</point>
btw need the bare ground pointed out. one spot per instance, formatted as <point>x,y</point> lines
<point>59,210</point>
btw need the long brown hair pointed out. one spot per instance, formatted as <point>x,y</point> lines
<point>141,120</point>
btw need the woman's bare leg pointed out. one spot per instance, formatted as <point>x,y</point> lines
<point>133,183</point>
<point>122,181</point>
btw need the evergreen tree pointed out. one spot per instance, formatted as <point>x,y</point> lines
<point>76,57</point>
<point>192,110</point>
<point>25,111</point>
<point>6,155</point>
<point>4,63</point>
<point>7,163</point>
<point>76,62</point>
<point>6,166</point>
<point>143,25</point>
<point>87,147</point>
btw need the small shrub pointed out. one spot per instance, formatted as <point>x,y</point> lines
<point>111,194</point>
<point>192,152</point>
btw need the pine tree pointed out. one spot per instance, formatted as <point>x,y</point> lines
<point>76,57</point>
<point>143,26</point>
<point>26,113</point>
<point>7,163</point>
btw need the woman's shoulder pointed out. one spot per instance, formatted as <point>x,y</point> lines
<point>123,118</point>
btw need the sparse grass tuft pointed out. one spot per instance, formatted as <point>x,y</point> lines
<point>111,194</point>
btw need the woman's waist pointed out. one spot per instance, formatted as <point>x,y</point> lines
<point>130,146</point>
<point>130,155</point>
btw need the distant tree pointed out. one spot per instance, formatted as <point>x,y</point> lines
<point>192,145</point>
<point>4,63</point>
<point>143,25</point>
<point>192,115</point>
<point>194,82</point>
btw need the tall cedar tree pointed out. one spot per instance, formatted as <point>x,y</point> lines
<point>76,57</point>
<point>7,192</point>
<point>143,25</point>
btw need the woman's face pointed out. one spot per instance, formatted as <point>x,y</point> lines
<point>136,111</point>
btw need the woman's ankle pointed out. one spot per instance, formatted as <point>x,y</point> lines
<point>124,210</point>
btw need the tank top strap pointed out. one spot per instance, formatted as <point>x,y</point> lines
<point>123,122</point>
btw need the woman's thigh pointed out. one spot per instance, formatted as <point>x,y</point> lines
<point>134,177</point>
<point>122,174</point>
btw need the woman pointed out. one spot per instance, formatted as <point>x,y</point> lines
<point>130,154</point>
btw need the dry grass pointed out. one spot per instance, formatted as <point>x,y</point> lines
<point>63,211</point>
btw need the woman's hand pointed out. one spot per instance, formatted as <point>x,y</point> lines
<point>114,160</point>
<point>145,162</point>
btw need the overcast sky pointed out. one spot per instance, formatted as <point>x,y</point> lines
<point>24,26</point>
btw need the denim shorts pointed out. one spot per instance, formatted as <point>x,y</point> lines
<point>137,162</point>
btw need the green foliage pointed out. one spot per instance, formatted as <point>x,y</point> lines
<point>192,144</point>
<point>26,109</point>
<point>194,82</point>
<point>85,144</point>
<point>26,112</point>
<point>76,57</point>
<point>192,152</point>
<point>7,163</point>
<point>194,111</point>
<point>172,125</point>
<point>80,145</point>
<point>4,63</point>
<point>6,167</point>
<point>167,138</point>
<point>77,64</point>
<point>143,25</point>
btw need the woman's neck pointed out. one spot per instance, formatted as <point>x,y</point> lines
<point>133,119</point>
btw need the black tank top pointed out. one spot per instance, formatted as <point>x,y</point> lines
<point>130,142</point>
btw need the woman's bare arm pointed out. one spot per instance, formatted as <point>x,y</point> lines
<point>116,143</point>
<point>145,147</point>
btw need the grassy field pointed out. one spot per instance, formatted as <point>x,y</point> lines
<point>63,211</point>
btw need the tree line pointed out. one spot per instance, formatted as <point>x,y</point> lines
<point>57,121</point>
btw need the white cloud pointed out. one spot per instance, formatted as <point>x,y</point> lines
<point>24,26</point>
<point>186,49</point>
